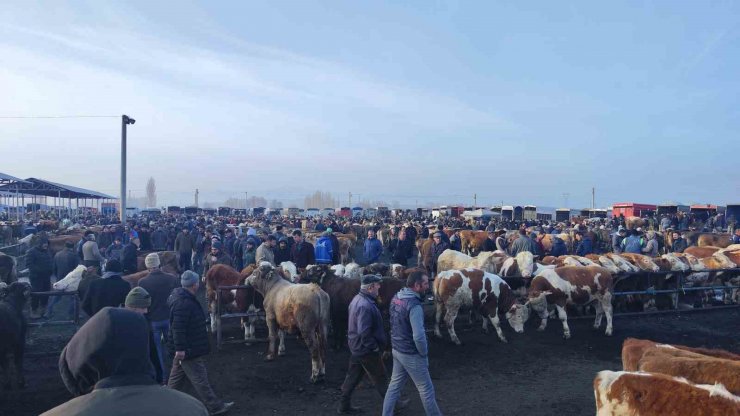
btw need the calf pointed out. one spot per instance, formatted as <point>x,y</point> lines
<point>485,292</point>
<point>633,349</point>
<point>620,393</point>
<point>294,307</point>
<point>13,326</point>
<point>575,285</point>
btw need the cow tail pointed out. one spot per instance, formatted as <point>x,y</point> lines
<point>323,324</point>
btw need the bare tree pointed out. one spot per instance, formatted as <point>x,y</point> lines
<point>151,193</point>
<point>320,200</point>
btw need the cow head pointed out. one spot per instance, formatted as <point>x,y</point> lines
<point>17,293</point>
<point>263,278</point>
<point>319,273</point>
<point>352,270</point>
<point>517,316</point>
<point>72,280</point>
<point>525,262</point>
<point>397,271</point>
<point>608,264</point>
<point>675,262</point>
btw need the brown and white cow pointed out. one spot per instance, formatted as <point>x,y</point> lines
<point>644,263</point>
<point>621,393</point>
<point>633,349</point>
<point>291,307</point>
<point>622,263</point>
<point>485,293</point>
<point>234,300</point>
<point>701,252</point>
<point>605,262</point>
<point>713,240</point>
<point>455,260</point>
<point>575,285</point>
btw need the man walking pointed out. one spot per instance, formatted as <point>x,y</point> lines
<point>159,285</point>
<point>184,247</point>
<point>189,341</point>
<point>409,344</point>
<point>40,267</point>
<point>366,338</point>
<point>110,290</point>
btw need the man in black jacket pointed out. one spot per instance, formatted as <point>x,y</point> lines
<point>438,247</point>
<point>110,290</point>
<point>402,248</point>
<point>64,262</point>
<point>189,341</point>
<point>128,258</point>
<point>159,285</point>
<point>40,268</point>
<point>302,253</point>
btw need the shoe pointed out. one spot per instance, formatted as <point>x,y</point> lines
<point>223,410</point>
<point>345,409</point>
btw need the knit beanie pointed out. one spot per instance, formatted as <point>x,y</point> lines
<point>138,297</point>
<point>189,278</point>
<point>151,260</point>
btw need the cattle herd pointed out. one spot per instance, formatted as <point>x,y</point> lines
<point>313,302</point>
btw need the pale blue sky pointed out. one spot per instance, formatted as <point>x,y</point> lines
<point>435,101</point>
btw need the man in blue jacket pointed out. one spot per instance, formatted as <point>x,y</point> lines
<point>366,338</point>
<point>409,342</point>
<point>584,244</point>
<point>373,248</point>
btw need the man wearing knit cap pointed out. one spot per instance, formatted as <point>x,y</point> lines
<point>217,256</point>
<point>138,300</point>
<point>159,285</point>
<point>188,340</point>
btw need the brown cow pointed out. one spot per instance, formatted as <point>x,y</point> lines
<point>697,368</point>
<point>235,300</point>
<point>293,307</point>
<point>713,240</point>
<point>701,252</point>
<point>572,284</point>
<point>471,242</point>
<point>633,349</point>
<point>620,393</point>
<point>485,293</point>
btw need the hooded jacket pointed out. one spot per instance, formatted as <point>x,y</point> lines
<point>107,366</point>
<point>365,333</point>
<point>187,325</point>
<point>282,255</point>
<point>407,323</point>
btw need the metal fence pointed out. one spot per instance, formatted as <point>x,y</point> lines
<point>220,316</point>
<point>74,319</point>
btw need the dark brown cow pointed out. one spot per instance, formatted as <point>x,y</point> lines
<point>714,240</point>
<point>576,285</point>
<point>471,242</point>
<point>701,252</point>
<point>697,368</point>
<point>633,349</point>
<point>486,293</point>
<point>620,393</point>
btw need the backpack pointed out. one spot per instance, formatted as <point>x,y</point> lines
<point>323,250</point>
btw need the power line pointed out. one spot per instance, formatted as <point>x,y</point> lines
<point>35,117</point>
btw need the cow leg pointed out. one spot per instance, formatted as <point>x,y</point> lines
<point>313,347</point>
<point>497,325</point>
<point>563,315</point>
<point>272,328</point>
<point>438,317</point>
<point>542,312</point>
<point>281,348</point>
<point>450,321</point>
<point>606,304</point>
<point>599,313</point>
<point>213,322</point>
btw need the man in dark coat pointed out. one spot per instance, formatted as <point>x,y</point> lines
<point>106,366</point>
<point>40,267</point>
<point>679,243</point>
<point>402,248</point>
<point>336,255</point>
<point>128,257</point>
<point>523,243</point>
<point>65,261</point>
<point>490,243</point>
<point>159,239</point>
<point>302,253</point>
<point>188,340</point>
<point>584,244</point>
<point>282,251</point>
<point>110,290</point>
<point>438,246</point>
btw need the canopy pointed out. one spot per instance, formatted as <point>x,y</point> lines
<point>5,179</point>
<point>35,186</point>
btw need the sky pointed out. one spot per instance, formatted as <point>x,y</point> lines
<point>414,101</point>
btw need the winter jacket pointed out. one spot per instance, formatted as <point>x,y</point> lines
<point>651,248</point>
<point>111,290</point>
<point>302,254</point>
<point>365,333</point>
<point>249,257</point>
<point>558,247</point>
<point>184,243</point>
<point>523,243</point>
<point>229,245</point>
<point>323,251</point>
<point>64,262</point>
<point>105,239</point>
<point>114,252</point>
<point>159,240</point>
<point>584,247</point>
<point>146,240</point>
<point>679,245</point>
<point>187,325</point>
<point>373,250</point>
<point>264,253</point>
<point>455,243</point>
<point>108,365</point>
<point>91,252</point>
<point>282,255</point>
<point>159,285</point>
<point>335,254</point>
<point>128,258</point>
<point>632,244</point>
<point>39,262</point>
<point>402,251</point>
<point>407,323</point>
<point>211,260</point>
<point>617,243</point>
<point>489,245</point>
<point>437,250</point>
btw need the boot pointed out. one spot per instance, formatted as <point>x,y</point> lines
<point>346,408</point>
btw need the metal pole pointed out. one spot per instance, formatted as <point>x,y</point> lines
<point>124,122</point>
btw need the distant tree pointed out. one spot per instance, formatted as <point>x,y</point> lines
<point>151,193</point>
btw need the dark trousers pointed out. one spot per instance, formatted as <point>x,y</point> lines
<point>40,284</point>
<point>184,261</point>
<point>370,364</point>
<point>195,371</point>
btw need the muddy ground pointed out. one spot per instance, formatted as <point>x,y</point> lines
<point>536,373</point>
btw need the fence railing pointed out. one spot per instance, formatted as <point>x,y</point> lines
<point>74,319</point>
<point>219,315</point>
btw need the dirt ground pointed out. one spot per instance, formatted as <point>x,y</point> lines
<point>536,373</point>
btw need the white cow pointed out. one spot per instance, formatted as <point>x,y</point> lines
<point>71,281</point>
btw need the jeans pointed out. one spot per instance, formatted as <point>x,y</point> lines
<point>184,261</point>
<point>159,331</point>
<point>195,370</point>
<point>40,284</point>
<point>370,364</point>
<point>416,367</point>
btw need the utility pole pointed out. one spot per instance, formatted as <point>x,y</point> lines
<point>125,120</point>
<point>196,197</point>
<point>475,201</point>
<point>593,198</point>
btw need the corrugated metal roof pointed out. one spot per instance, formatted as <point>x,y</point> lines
<point>36,186</point>
<point>5,178</point>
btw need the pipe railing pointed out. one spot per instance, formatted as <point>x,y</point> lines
<point>76,308</point>
<point>219,315</point>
